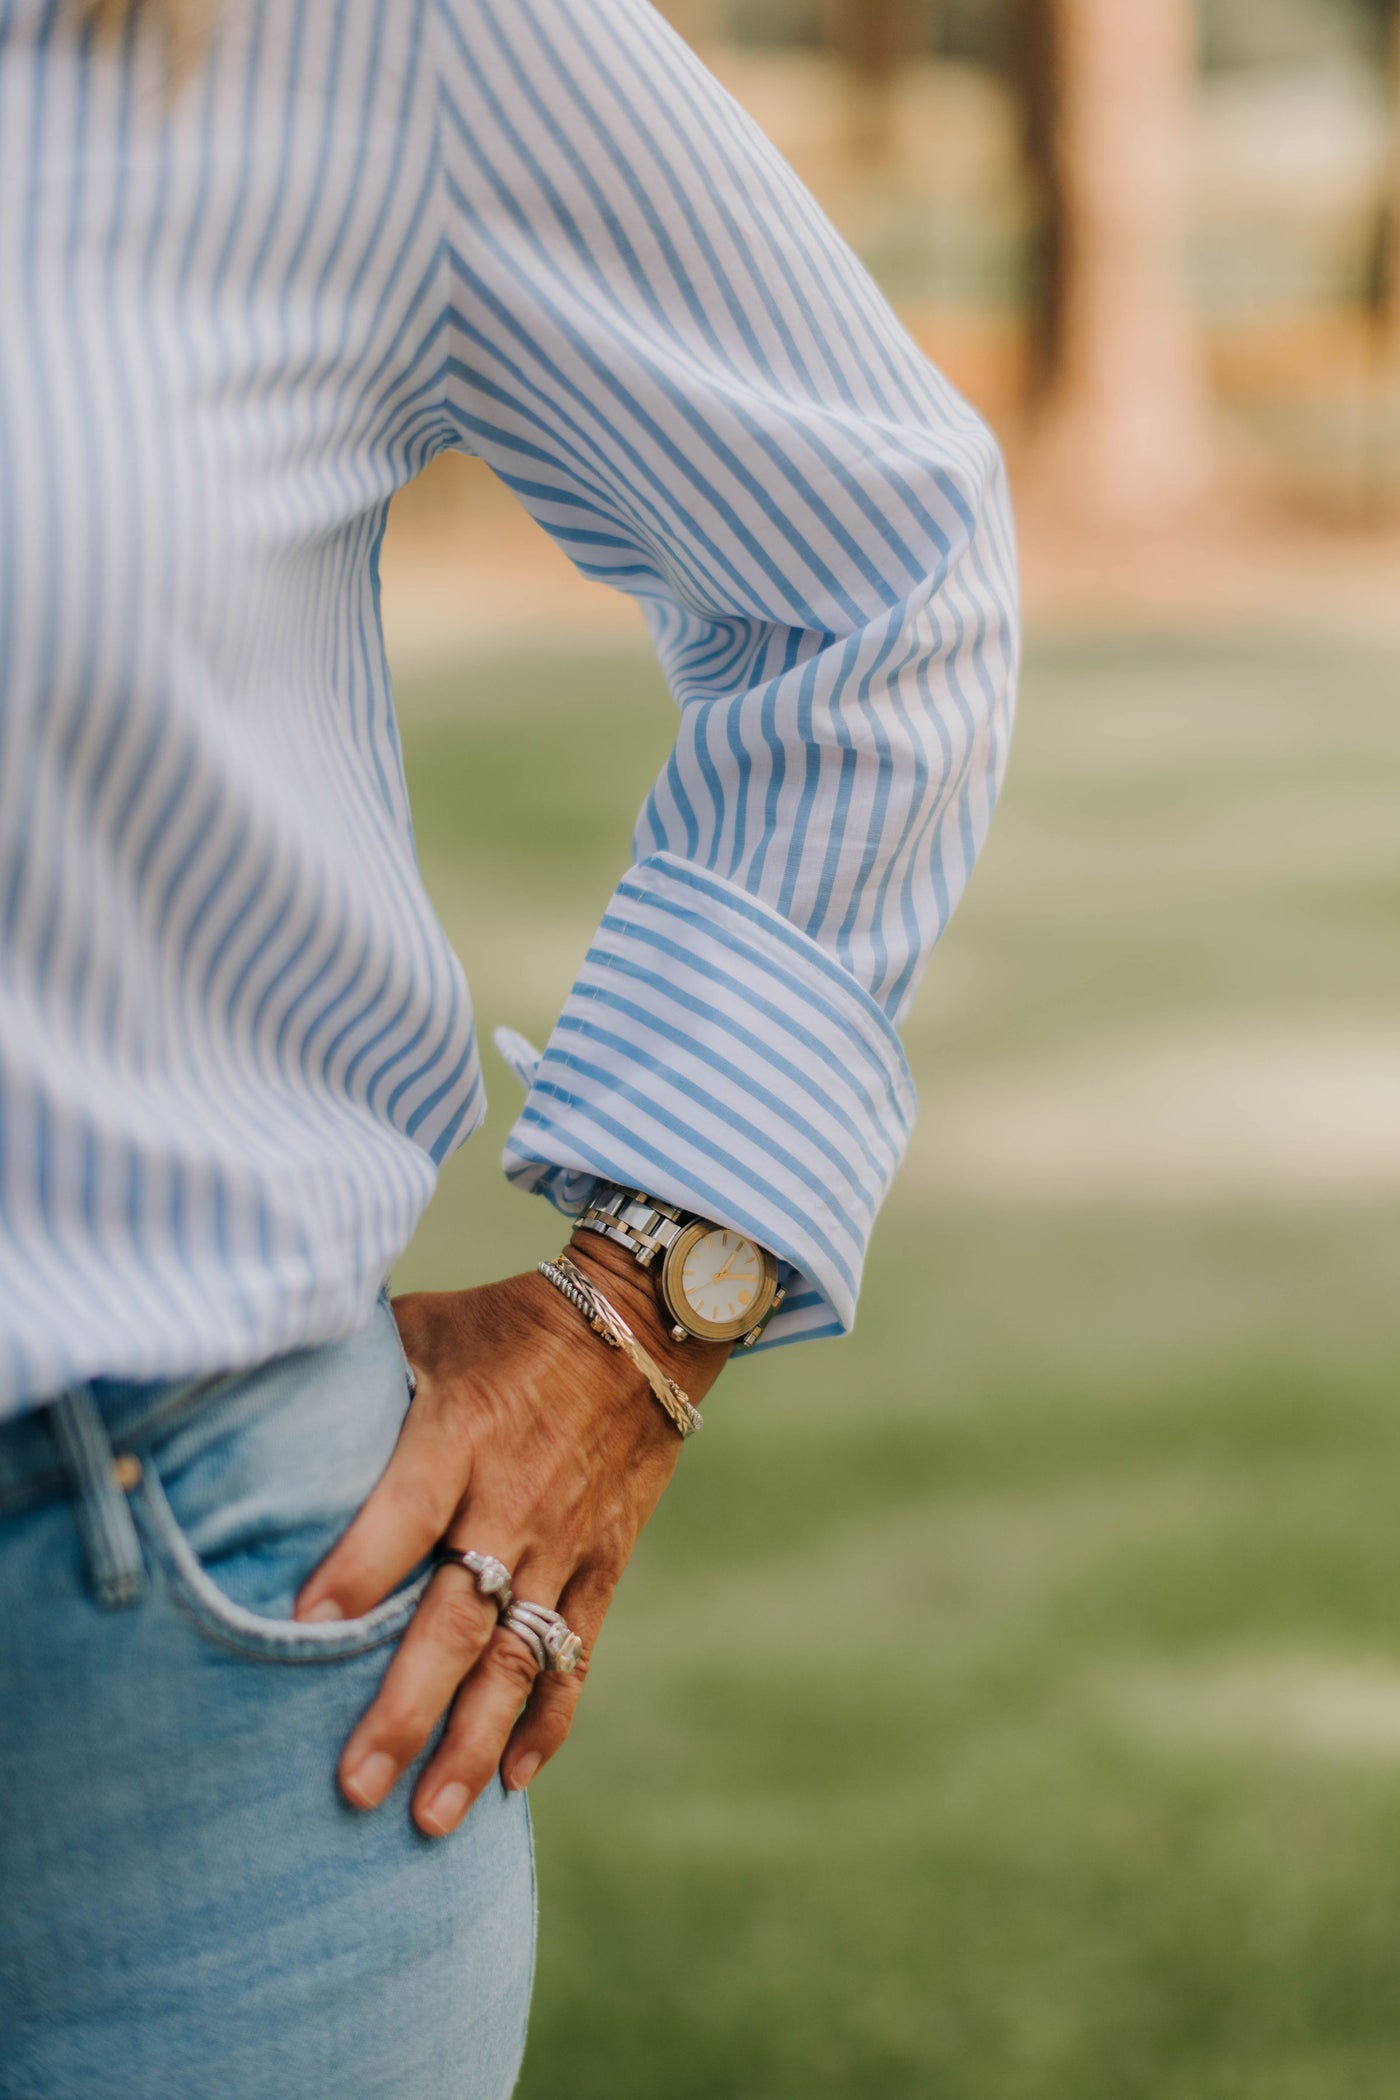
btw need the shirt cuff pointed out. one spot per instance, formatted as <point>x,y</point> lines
<point>715,1056</point>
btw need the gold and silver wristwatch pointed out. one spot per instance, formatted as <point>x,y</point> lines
<point>715,1285</point>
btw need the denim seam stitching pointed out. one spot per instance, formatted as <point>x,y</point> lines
<point>264,1640</point>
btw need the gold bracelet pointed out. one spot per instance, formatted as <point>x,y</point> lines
<point>605,1320</point>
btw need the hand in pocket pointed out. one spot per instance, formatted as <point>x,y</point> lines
<point>527,1439</point>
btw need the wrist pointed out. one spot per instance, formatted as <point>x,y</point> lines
<point>713,1282</point>
<point>633,1292</point>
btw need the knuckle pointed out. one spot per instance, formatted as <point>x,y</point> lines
<point>422,1503</point>
<point>402,1727</point>
<point>599,1592</point>
<point>347,1576</point>
<point>591,1591</point>
<point>593,1607</point>
<point>511,1663</point>
<point>460,1616</point>
<point>555,1721</point>
<point>464,1756</point>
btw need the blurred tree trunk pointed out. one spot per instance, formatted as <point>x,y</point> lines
<point>1387,289</point>
<point>874,38</point>
<point>1037,82</point>
<point>1125,416</point>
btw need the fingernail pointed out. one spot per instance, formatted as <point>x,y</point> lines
<point>326,1609</point>
<point>446,1810</point>
<point>370,1781</point>
<point>521,1774</point>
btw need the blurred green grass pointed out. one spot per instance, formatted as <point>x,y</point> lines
<point>1005,1704</point>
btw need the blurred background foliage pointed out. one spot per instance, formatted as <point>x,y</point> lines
<point>1005,1704</point>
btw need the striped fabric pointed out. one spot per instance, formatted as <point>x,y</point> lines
<point>236,314</point>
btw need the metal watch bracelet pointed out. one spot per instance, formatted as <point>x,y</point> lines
<point>633,1220</point>
<point>652,1231</point>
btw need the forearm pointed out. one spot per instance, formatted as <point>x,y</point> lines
<point>732,426</point>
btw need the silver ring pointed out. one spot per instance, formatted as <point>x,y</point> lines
<point>538,1626</point>
<point>526,1633</point>
<point>491,1576</point>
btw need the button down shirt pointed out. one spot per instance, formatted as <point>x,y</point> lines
<point>240,307</point>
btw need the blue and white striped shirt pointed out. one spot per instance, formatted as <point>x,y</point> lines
<point>236,315</point>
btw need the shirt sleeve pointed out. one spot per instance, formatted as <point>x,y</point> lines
<point>659,343</point>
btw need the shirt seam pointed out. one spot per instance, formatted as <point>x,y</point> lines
<point>448,431</point>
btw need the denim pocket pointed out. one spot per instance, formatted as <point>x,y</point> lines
<point>242,1503</point>
<point>251,1632</point>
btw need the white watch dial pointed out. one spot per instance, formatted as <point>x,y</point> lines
<point>722,1276</point>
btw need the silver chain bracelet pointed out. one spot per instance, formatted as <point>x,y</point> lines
<point>605,1320</point>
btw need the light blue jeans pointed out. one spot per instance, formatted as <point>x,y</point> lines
<point>188,1910</point>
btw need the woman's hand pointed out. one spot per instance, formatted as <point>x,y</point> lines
<point>528,1438</point>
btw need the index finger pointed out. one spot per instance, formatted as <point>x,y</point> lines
<point>404,1516</point>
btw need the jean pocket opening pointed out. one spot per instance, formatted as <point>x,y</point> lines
<point>251,1633</point>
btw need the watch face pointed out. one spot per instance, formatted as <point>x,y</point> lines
<point>722,1279</point>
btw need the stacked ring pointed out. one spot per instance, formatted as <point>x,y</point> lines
<point>549,1638</point>
<point>527,1634</point>
<point>491,1576</point>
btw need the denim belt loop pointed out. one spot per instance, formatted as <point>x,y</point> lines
<point>116,1564</point>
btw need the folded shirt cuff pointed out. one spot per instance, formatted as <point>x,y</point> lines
<point>714,1055</point>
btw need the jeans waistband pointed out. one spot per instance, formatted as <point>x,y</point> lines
<point>106,1454</point>
<point>36,1449</point>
